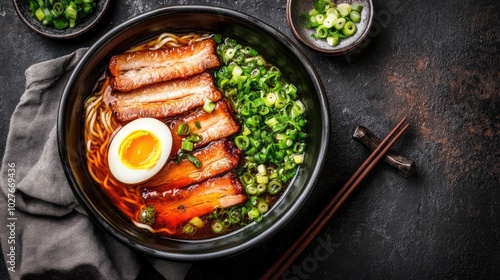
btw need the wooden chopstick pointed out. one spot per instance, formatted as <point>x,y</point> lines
<point>284,262</point>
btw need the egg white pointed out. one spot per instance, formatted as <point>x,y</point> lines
<point>132,176</point>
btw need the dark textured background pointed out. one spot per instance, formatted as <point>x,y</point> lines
<point>438,64</point>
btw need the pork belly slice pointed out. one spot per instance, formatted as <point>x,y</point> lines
<point>136,69</point>
<point>216,125</point>
<point>216,158</point>
<point>165,99</point>
<point>176,207</point>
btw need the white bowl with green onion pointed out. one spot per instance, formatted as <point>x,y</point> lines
<point>328,26</point>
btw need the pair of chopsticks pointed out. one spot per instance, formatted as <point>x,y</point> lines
<point>283,263</point>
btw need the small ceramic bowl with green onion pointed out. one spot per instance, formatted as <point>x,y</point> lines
<point>60,19</point>
<point>332,27</point>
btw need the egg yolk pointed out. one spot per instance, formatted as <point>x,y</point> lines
<point>140,150</point>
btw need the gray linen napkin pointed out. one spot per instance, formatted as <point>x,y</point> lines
<point>48,235</point>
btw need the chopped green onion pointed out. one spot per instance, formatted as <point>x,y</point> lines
<point>321,5</point>
<point>71,13</point>
<point>312,22</point>
<point>40,15</point>
<point>299,147</point>
<point>357,7</point>
<point>355,16</point>
<point>280,136</point>
<point>246,131</point>
<point>290,163</point>
<point>339,23</point>
<point>251,190</point>
<point>332,40</point>
<point>33,6</point>
<point>248,109</point>
<point>187,145</point>
<point>298,159</point>
<point>274,187</point>
<point>209,106</point>
<point>194,137</point>
<point>297,109</point>
<point>280,101</point>
<point>234,216</point>
<point>242,142</point>
<point>291,90</point>
<point>217,38</point>
<point>253,214</point>
<point>344,9</point>
<point>262,179</point>
<point>253,120</point>
<point>183,129</point>
<point>217,227</point>
<point>247,178</point>
<point>61,23</point>
<point>261,169</point>
<point>262,206</point>
<point>328,22</point>
<point>261,62</point>
<point>349,28</point>
<point>333,11</point>
<point>264,110</point>
<point>285,143</point>
<point>87,8</point>
<point>273,174</point>
<point>195,161</point>
<point>270,99</point>
<point>237,71</point>
<point>261,188</point>
<point>229,54</point>
<point>180,157</point>
<point>319,18</point>
<point>272,124</point>
<point>188,229</point>
<point>322,31</point>
<point>57,9</point>
<point>196,221</point>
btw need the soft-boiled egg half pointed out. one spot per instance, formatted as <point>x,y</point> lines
<point>139,150</point>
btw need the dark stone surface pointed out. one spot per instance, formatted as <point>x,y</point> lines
<point>438,64</point>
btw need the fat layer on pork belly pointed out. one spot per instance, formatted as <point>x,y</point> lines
<point>163,100</point>
<point>136,69</point>
<point>218,124</point>
<point>216,158</point>
<point>177,206</point>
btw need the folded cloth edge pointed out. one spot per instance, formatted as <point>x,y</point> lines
<point>39,213</point>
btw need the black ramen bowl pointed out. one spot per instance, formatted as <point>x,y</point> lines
<point>272,44</point>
